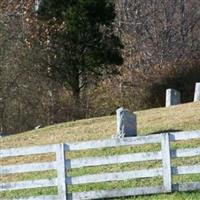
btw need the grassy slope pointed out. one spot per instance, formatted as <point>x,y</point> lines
<point>182,117</point>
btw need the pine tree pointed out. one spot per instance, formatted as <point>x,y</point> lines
<point>85,44</point>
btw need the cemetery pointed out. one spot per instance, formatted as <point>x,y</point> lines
<point>96,169</point>
<point>99,99</point>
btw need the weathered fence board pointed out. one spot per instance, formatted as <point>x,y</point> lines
<point>186,187</point>
<point>28,184</point>
<point>183,153</point>
<point>193,169</point>
<point>47,197</point>
<point>167,175</point>
<point>108,160</point>
<point>186,135</point>
<point>32,167</point>
<point>115,193</point>
<point>114,176</point>
<point>60,158</point>
<point>27,151</point>
<point>96,144</point>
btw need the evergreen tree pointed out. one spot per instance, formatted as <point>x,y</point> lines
<point>84,44</point>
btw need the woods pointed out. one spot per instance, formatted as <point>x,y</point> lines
<point>83,46</point>
<point>64,60</point>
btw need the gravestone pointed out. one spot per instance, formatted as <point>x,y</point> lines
<point>173,97</point>
<point>126,123</point>
<point>38,127</point>
<point>197,92</point>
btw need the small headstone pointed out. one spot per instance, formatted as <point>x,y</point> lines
<point>197,92</point>
<point>173,97</point>
<point>126,123</point>
<point>38,127</point>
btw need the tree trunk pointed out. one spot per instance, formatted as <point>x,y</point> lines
<point>183,20</point>
<point>2,117</point>
<point>77,104</point>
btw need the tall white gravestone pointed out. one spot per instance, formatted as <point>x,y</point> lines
<point>173,97</point>
<point>197,92</point>
<point>126,123</point>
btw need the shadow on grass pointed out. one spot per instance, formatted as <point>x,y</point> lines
<point>166,131</point>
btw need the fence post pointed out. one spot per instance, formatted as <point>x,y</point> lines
<point>166,161</point>
<point>61,176</point>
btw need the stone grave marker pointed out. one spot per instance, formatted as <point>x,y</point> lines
<point>197,92</point>
<point>126,123</point>
<point>173,97</point>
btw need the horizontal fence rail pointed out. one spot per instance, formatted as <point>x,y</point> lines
<point>193,169</point>
<point>27,151</point>
<point>109,160</point>
<point>184,153</point>
<point>96,144</point>
<point>28,184</point>
<point>186,187</point>
<point>186,135</point>
<point>62,164</point>
<point>115,193</point>
<point>32,167</point>
<point>46,197</point>
<point>114,176</point>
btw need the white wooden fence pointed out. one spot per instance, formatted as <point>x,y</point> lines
<point>62,163</point>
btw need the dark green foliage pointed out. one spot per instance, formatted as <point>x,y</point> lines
<point>52,8</point>
<point>84,46</point>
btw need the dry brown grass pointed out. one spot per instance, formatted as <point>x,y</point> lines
<point>181,117</point>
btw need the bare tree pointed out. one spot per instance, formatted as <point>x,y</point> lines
<point>159,31</point>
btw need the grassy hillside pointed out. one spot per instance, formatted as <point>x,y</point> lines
<point>182,117</point>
